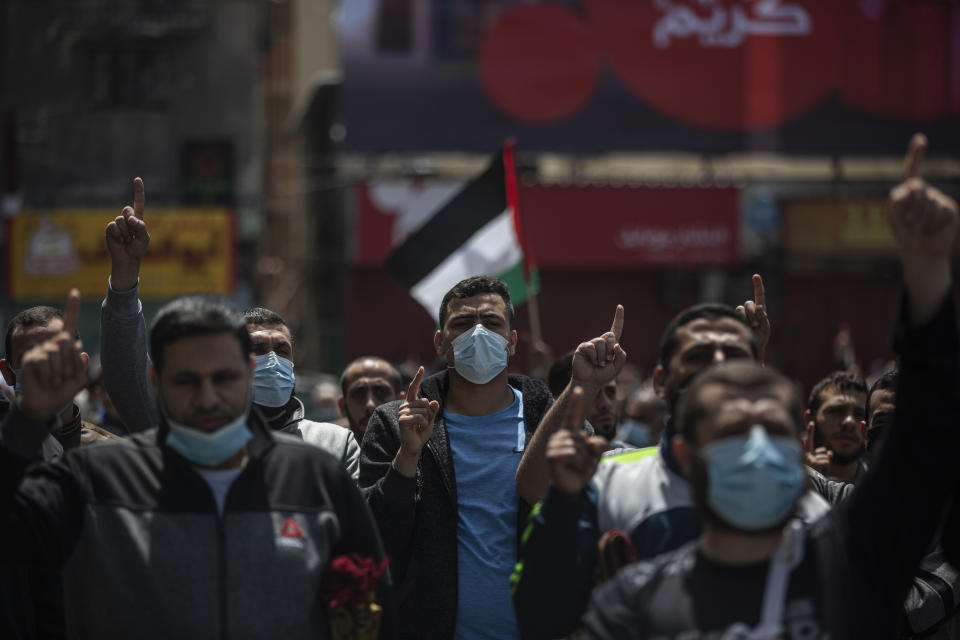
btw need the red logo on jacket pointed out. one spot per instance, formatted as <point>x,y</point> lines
<point>291,535</point>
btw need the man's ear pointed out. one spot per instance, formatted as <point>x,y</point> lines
<point>7,372</point>
<point>863,429</point>
<point>682,453</point>
<point>438,343</point>
<point>343,409</point>
<point>512,346</point>
<point>659,378</point>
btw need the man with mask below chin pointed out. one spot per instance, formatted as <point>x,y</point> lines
<point>756,572</point>
<point>124,354</point>
<point>438,471</point>
<point>209,525</point>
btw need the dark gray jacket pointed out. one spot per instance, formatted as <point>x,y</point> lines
<point>418,516</point>
<point>144,552</point>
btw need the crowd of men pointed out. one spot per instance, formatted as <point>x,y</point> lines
<point>199,500</point>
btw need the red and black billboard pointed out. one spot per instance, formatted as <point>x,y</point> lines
<point>796,76</point>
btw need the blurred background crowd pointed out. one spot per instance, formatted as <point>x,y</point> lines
<point>664,153</point>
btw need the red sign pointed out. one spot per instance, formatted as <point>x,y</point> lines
<point>629,227</point>
<point>572,226</point>
<point>727,64</point>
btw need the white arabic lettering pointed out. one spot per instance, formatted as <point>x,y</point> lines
<point>660,240</point>
<point>725,28</point>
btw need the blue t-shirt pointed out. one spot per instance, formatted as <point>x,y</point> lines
<point>486,451</point>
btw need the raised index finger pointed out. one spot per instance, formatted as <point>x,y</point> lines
<point>571,419</point>
<point>759,293</point>
<point>71,316</point>
<point>413,390</point>
<point>617,326</point>
<point>138,198</point>
<point>913,163</point>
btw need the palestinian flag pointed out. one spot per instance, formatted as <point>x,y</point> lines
<point>477,232</point>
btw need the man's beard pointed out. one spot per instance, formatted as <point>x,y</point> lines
<point>838,459</point>
<point>607,432</point>
<point>843,460</point>
<point>355,426</point>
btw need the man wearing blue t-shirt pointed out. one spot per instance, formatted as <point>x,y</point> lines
<point>438,471</point>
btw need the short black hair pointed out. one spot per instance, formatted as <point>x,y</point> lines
<point>199,314</point>
<point>261,316</point>
<point>743,375</point>
<point>842,381</point>
<point>886,382</point>
<point>32,317</point>
<point>473,286</point>
<point>558,377</point>
<point>396,380</point>
<point>704,310</point>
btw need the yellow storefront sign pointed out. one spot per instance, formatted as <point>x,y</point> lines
<point>48,252</point>
<point>838,227</point>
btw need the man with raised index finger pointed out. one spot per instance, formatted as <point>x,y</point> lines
<point>438,471</point>
<point>643,493</point>
<point>125,358</point>
<point>210,525</point>
<point>756,572</point>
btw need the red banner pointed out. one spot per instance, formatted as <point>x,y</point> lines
<point>727,64</point>
<point>572,226</point>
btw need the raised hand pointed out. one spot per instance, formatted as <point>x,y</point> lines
<point>54,371</point>
<point>572,456</point>
<point>597,362</point>
<point>127,241</point>
<point>754,313</point>
<point>923,219</point>
<point>924,223</point>
<point>415,418</point>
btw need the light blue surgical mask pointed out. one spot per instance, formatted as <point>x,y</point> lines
<point>754,480</point>
<point>479,354</point>
<point>208,449</point>
<point>273,380</point>
<point>634,433</point>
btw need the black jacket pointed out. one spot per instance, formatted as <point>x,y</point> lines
<point>418,516</point>
<point>131,523</point>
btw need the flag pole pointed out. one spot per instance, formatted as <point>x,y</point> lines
<point>534,309</point>
<point>510,173</point>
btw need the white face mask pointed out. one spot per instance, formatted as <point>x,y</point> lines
<point>479,354</point>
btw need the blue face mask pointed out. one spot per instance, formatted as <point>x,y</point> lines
<point>208,449</point>
<point>754,480</point>
<point>479,354</point>
<point>273,380</point>
<point>634,433</point>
